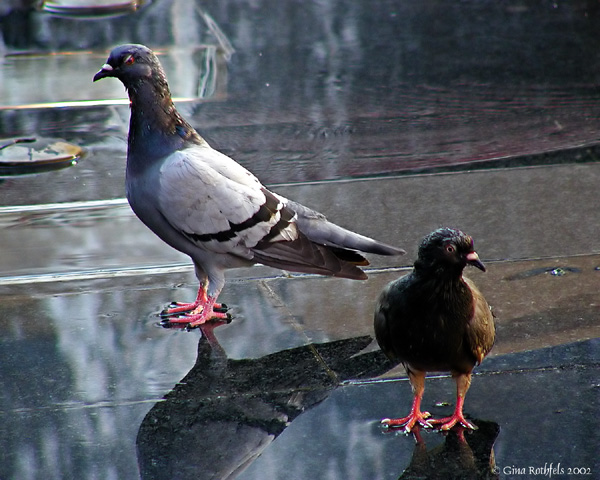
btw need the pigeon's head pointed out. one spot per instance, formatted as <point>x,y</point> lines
<point>130,63</point>
<point>449,248</point>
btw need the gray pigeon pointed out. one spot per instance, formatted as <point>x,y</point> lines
<point>204,204</point>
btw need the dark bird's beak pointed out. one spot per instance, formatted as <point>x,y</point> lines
<point>105,71</point>
<point>473,259</point>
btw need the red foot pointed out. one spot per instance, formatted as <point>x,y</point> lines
<point>179,307</point>
<point>456,419</point>
<point>195,314</point>
<point>409,422</point>
<point>416,416</point>
<point>201,315</point>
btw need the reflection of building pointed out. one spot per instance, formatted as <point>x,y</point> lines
<point>196,72</point>
<point>59,56</point>
<point>46,88</point>
<point>315,94</point>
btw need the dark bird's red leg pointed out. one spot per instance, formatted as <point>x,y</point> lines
<point>463,382</point>
<point>416,416</point>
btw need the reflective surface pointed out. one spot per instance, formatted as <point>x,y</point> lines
<point>392,119</point>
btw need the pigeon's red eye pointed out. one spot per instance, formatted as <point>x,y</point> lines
<point>129,60</point>
<point>449,248</point>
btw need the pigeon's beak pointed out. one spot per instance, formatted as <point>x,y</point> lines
<point>105,71</point>
<point>473,259</point>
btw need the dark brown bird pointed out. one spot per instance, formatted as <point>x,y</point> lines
<point>434,319</point>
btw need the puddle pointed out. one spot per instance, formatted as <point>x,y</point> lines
<point>554,271</point>
<point>362,127</point>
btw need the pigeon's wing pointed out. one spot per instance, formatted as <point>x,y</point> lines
<point>221,207</point>
<point>481,330</point>
<point>216,203</point>
<point>320,247</point>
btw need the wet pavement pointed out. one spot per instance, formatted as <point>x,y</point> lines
<point>392,120</point>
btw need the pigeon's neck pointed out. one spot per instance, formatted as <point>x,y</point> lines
<point>156,128</point>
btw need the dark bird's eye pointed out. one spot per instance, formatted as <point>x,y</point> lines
<point>449,248</point>
<point>129,60</point>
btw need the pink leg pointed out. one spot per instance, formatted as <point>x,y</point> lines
<point>201,311</point>
<point>416,416</point>
<point>180,307</point>
<point>463,382</point>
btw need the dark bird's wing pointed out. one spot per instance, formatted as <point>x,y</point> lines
<point>391,313</point>
<point>481,331</point>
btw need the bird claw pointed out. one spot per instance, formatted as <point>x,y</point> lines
<point>175,309</point>
<point>220,308</point>
<point>409,422</point>
<point>192,320</point>
<point>184,323</point>
<point>448,423</point>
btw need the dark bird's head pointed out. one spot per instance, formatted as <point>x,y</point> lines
<point>132,64</point>
<point>448,249</point>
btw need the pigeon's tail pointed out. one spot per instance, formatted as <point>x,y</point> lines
<point>321,247</point>
<point>304,255</point>
<point>319,230</point>
<point>335,236</point>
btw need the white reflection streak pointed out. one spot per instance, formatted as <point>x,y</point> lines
<point>85,205</point>
<point>83,103</point>
<point>95,274</point>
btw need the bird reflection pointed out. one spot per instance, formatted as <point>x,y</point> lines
<point>464,455</point>
<point>224,413</point>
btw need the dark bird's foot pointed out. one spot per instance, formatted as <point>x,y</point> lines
<point>456,419</point>
<point>409,422</point>
<point>416,416</point>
